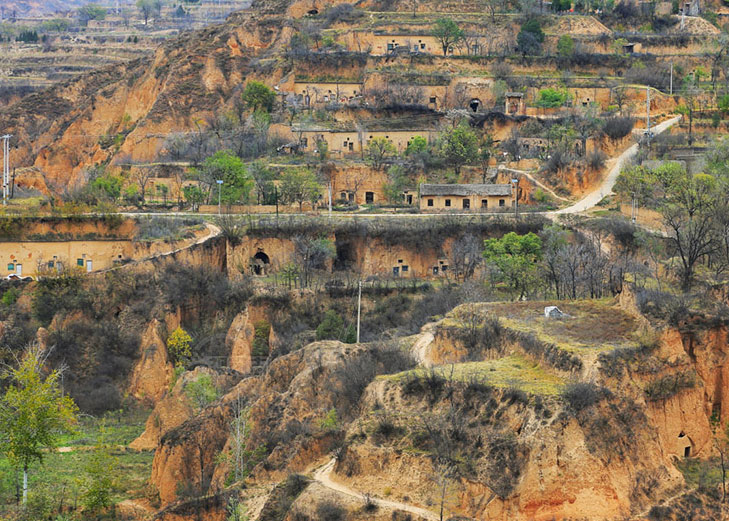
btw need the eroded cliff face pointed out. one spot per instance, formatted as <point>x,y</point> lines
<point>525,456</point>
<point>151,375</point>
<point>59,131</point>
<point>283,406</point>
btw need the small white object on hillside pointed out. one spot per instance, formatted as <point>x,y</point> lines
<point>553,312</point>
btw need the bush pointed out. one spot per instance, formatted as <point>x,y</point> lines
<point>595,160</point>
<point>178,347</point>
<point>552,98</point>
<point>330,511</point>
<point>667,386</point>
<point>579,396</point>
<point>262,331</point>
<point>201,392</point>
<point>618,127</point>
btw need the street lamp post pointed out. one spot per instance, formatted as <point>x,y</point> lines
<point>515,182</point>
<point>220,190</point>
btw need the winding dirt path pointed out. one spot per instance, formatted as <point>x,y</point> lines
<point>606,187</point>
<point>323,477</point>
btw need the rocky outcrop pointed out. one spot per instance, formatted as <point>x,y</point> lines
<point>175,408</point>
<point>241,337</point>
<point>284,405</point>
<point>151,375</point>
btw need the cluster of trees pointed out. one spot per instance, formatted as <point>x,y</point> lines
<point>555,262</point>
<point>694,210</point>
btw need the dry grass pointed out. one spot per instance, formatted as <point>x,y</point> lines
<point>591,324</point>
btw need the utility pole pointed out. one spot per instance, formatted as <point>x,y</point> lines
<point>359,308</point>
<point>6,168</point>
<point>329,186</point>
<point>515,182</point>
<point>671,88</point>
<point>220,190</point>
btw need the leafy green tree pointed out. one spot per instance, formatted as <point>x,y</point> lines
<point>378,150</point>
<point>515,258</point>
<point>417,145</point>
<point>299,186</point>
<point>34,413</point>
<point>723,104</point>
<point>459,146</point>
<point>237,183</point>
<point>550,98</point>
<point>91,12</point>
<point>109,185</point>
<point>332,327</point>
<point>448,34</point>
<point>530,38</point>
<point>397,182</point>
<point>201,392</point>
<point>100,470</point>
<point>258,96</point>
<point>179,347</point>
<point>561,5</point>
<point>194,196</point>
<point>565,46</point>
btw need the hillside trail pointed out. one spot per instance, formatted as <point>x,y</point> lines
<point>606,187</point>
<point>323,477</point>
<point>213,230</point>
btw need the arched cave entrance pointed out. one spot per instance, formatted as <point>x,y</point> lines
<point>685,445</point>
<point>474,104</point>
<point>259,263</point>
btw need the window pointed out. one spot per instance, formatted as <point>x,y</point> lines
<point>466,204</point>
<point>422,46</point>
<point>444,267</point>
<point>399,261</point>
<point>51,264</point>
<point>404,268</point>
<point>484,203</point>
<point>11,266</point>
<point>80,262</point>
<point>430,202</point>
<point>447,202</point>
<point>390,47</point>
<point>502,202</point>
<point>433,99</point>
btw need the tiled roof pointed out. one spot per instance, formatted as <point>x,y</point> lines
<point>465,190</point>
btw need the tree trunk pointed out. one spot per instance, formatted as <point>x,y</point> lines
<point>25,484</point>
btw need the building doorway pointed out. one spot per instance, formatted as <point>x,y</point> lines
<point>89,266</point>
<point>19,270</point>
<point>369,197</point>
<point>466,204</point>
<point>474,104</point>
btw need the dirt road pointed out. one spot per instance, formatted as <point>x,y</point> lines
<point>323,477</point>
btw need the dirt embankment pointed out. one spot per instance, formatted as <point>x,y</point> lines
<point>137,104</point>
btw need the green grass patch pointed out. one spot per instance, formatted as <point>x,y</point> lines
<point>701,473</point>
<point>513,371</point>
<point>61,475</point>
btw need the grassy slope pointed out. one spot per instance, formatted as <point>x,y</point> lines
<point>62,473</point>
